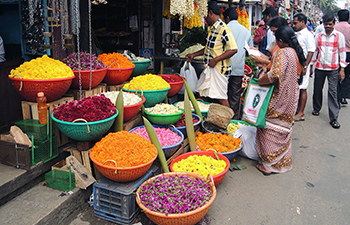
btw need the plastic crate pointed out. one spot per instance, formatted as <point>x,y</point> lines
<point>60,180</point>
<point>115,201</point>
<point>41,150</point>
<point>32,127</point>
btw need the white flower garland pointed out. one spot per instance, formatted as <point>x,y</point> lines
<point>189,9</point>
<point>97,2</point>
<point>202,8</point>
<point>177,7</point>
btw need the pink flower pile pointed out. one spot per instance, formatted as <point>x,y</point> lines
<point>165,136</point>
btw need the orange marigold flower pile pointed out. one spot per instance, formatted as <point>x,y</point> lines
<point>219,142</point>
<point>125,148</point>
<point>115,60</point>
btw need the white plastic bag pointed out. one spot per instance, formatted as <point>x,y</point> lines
<point>212,84</point>
<point>187,71</point>
<point>247,135</point>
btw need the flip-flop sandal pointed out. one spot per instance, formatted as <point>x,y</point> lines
<point>263,172</point>
<point>299,118</point>
<point>315,113</point>
<point>335,124</point>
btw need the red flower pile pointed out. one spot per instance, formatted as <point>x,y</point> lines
<point>89,108</point>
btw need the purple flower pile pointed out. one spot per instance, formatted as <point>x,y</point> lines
<point>73,63</point>
<point>89,108</point>
<point>175,194</point>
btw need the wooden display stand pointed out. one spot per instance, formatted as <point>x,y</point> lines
<point>86,93</point>
<point>30,111</point>
<point>116,87</point>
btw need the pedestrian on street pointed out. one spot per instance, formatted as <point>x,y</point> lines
<point>220,46</point>
<point>241,35</point>
<point>344,28</point>
<point>268,14</point>
<point>274,144</point>
<point>307,42</point>
<point>330,54</point>
<point>259,34</point>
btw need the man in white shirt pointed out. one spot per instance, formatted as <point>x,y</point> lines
<point>307,42</point>
<point>242,36</point>
<point>2,51</point>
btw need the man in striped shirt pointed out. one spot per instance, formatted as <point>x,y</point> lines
<point>330,54</point>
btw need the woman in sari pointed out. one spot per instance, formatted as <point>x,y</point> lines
<point>274,144</point>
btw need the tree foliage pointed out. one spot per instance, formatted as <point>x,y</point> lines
<point>327,6</point>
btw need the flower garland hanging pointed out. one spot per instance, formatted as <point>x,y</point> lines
<point>177,7</point>
<point>195,20</point>
<point>166,11</point>
<point>202,7</point>
<point>243,18</point>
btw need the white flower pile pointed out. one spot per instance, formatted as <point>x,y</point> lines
<point>128,98</point>
<point>97,2</point>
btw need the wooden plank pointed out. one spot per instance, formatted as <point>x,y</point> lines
<point>77,155</point>
<point>86,160</point>
<point>134,122</point>
<point>84,177</point>
<point>75,93</point>
<point>116,87</point>
<point>26,111</point>
<point>97,173</point>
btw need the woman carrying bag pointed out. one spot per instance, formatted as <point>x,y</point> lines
<point>274,144</point>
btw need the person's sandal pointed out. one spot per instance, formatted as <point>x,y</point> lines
<point>335,124</point>
<point>299,118</point>
<point>259,167</point>
<point>315,113</point>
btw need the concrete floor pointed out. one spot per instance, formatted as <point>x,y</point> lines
<point>316,191</point>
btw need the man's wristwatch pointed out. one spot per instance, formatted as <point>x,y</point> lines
<point>305,67</point>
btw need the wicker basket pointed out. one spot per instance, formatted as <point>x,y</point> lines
<point>220,115</point>
<point>188,218</point>
<point>123,174</point>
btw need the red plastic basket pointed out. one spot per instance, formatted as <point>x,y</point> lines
<point>53,88</point>
<point>175,87</point>
<point>217,178</point>
<point>247,69</point>
<point>97,77</point>
<point>118,75</point>
<point>131,110</point>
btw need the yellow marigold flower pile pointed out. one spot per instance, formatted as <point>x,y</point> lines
<point>219,142</point>
<point>125,148</point>
<point>147,82</point>
<point>42,68</point>
<point>115,60</point>
<point>200,164</point>
<point>194,21</point>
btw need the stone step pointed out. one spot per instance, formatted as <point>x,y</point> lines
<point>43,205</point>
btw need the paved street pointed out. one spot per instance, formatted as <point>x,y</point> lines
<point>316,191</point>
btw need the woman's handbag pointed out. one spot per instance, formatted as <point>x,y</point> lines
<point>256,102</point>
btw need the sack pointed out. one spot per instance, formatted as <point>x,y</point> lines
<point>212,84</point>
<point>248,135</point>
<point>256,103</point>
<point>187,71</point>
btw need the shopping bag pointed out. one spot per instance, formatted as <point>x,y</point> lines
<point>212,84</point>
<point>187,71</point>
<point>248,135</point>
<point>256,103</point>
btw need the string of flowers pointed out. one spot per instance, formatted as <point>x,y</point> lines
<point>195,20</point>
<point>202,7</point>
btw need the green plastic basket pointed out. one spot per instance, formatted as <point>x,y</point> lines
<point>140,67</point>
<point>152,97</point>
<point>164,119</point>
<point>32,127</point>
<point>41,150</point>
<point>85,131</point>
<point>60,180</point>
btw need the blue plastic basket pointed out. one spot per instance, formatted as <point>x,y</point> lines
<point>116,201</point>
<point>195,125</point>
<point>85,131</point>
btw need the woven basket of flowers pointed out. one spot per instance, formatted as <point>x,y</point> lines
<point>182,204</point>
<point>122,156</point>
